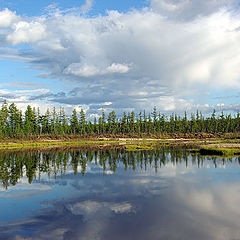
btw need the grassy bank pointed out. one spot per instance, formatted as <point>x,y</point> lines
<point>130,144</point>
<point>51,143</point>
<point>211,145</point>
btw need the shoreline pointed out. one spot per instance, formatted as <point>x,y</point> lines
<point>134,143</point>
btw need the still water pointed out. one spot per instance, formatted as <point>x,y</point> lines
<point>167,193</point>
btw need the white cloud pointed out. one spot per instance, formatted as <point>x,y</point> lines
<point>82,70</point>
<point>137,59</point>
<point>168,5</point>
<point>107,103</point>
<point>7,17</point>
<point>189,9</point>
<point>87,6</point>
<point>85,70</point>
<point>22,98</point>
<point>117,68</point>
<point>26,32</point>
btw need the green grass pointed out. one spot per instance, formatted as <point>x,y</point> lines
<point>138,147</point>
<point>42,144</point>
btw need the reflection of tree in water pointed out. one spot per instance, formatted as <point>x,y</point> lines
<point>15,165</point>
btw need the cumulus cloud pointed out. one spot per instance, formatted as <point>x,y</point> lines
<point>7,17</point>
<point>26,32</point>
<point>138,59</point>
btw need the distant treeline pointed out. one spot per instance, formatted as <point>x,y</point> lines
<point>14,123</point>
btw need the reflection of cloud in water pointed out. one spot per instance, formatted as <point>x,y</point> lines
<point>76,220</point>
<point>89,209</point>
<point>108,172</point>
<point>169,170</point>
<point>175,203</point>
<point>215,207</point>
<point>24,189</point>
<point>210,200</point>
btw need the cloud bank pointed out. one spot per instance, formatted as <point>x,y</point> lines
<point>186,10</point>
<point>164,55</point>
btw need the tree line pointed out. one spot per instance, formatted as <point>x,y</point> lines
<point>14,123</point>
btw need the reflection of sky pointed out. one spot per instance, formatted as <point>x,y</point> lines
<point>174,203</point>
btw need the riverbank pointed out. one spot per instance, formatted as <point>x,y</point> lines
<point>129,144</point>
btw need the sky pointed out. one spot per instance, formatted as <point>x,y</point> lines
<point>177,55</point>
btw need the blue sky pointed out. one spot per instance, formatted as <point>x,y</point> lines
<point>26,7</point>
<point>122,55</point>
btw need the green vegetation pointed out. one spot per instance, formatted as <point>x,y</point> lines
<point>220,151</point>
<point>130,144</point>
<point>31,124</point>
<point>42,144</point>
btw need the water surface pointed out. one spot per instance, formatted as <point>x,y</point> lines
<point>73,194</point>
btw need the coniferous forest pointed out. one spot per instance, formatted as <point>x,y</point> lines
<point>16,124</point>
